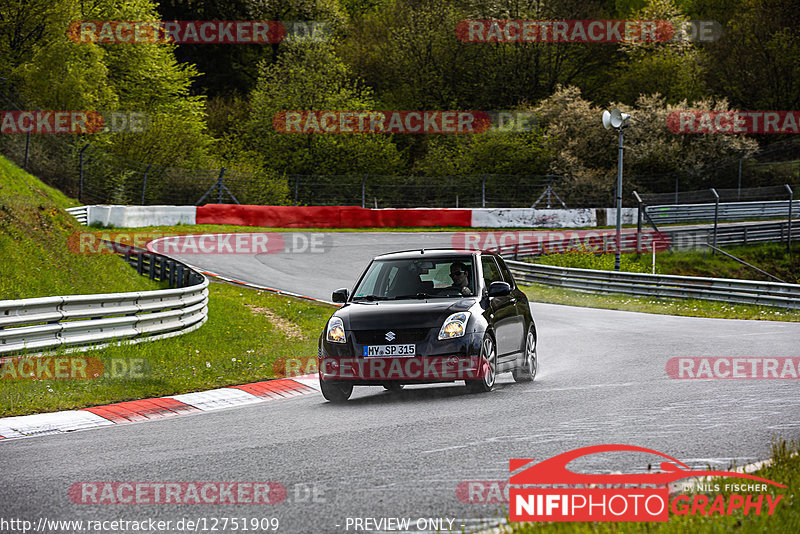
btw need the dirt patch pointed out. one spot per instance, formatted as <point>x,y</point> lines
<point>288,328</point>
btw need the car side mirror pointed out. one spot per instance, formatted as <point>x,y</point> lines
<point>499,289</point>
<point>340,295</point>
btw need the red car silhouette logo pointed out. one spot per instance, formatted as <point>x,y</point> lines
<point>554,470</point>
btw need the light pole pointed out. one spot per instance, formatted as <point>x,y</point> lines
<point>616,119</point>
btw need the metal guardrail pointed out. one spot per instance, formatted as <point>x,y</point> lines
<point>667,238</point>
<point>91,321</point>
<point>728,211</point>
<point>746,234</point>
<point>81,214</point>
<point>655,285</point>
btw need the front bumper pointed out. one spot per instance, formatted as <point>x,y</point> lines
<point>434,361</point>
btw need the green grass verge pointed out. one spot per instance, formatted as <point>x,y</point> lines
<point>685,307</point>
<point>34,229</point>
<point>785,469</point>
<point>773,258</point>
<point>246,333</point>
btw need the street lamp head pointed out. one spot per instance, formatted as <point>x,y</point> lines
<point>615,119</point>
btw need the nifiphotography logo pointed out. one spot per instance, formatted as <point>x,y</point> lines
<point>548,491</point>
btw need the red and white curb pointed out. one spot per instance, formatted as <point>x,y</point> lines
<point>158,408</point>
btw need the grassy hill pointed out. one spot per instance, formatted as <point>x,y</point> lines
<point>34,257</point>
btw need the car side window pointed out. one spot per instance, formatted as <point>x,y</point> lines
<point>507,273</point>
<point>491,273</point>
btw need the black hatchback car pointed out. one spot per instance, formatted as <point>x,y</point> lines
<point>427,316</point>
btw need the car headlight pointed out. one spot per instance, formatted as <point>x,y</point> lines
<point>335,331</point>
<point>454,326</point>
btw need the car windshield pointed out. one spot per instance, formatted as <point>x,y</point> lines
<point>417,278</point>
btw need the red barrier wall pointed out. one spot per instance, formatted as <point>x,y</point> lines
<point>330,216</point>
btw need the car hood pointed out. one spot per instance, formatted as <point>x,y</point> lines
<point>401,314</point>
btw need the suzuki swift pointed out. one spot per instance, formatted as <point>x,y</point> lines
<point>428,316</point>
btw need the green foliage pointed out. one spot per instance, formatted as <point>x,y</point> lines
<point>755,63</point>
<point>600,262</point>
<point>486,153</point>
<point>34,232</point>
<point>585,152</point>
<point>309,76</point>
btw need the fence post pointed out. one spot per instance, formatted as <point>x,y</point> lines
<point>296,187</point>
<point>80,180</point>
<point>483,191</point>
<point>676,187</point>
<point>27,151</point>
<point>220,185</point>
<point>364,191</point>
<point>638,222</point>
<point>739,188</point>
<point>789,235</point>
<point>716,218</point>
<point>144,182</point>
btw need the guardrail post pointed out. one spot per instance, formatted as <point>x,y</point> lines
<point>152,272</point>
<point>789,234</point>
<point>716,218</point>
<point>140,263</point>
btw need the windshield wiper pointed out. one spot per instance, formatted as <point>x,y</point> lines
<point>415,296</point>
<point>370,298</point>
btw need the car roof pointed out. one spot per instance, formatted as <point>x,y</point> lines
<point>429,253</point>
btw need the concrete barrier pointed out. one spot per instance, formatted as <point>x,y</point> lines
<point>629,216</point>
<point>353,216</point>
<point>532,218</point>
<point>139,216</point>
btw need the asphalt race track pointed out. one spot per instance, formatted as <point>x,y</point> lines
<point>602,380</point>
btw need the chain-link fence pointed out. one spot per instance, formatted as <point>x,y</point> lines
<point>82,169</point>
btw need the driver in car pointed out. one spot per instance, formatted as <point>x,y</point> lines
<point>460,275</point>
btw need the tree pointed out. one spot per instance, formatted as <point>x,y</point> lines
<point>309,76</point>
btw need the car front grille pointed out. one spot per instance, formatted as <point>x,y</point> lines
<point>401,336</point>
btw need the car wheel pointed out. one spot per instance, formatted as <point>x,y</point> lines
<point>336,390</point>
<point>394,387</point>
<point>530,365</point>
<point>488,353</point>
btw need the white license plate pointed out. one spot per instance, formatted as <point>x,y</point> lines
<point>390,350</point>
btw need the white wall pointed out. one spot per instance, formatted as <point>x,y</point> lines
<point>138,216</point>
<point>532,218</point>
